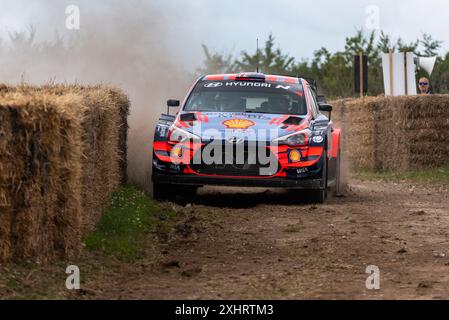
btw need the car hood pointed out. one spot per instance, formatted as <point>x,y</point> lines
<point>249,126</point>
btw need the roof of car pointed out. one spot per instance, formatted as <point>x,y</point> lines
<point>251,76</point>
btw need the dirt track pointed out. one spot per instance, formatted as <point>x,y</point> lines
<point>262,245</point>
<point>238,244</point>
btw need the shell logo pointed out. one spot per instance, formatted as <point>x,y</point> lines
<point>238,123</point>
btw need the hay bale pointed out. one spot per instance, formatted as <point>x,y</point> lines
<point>59,161</point>
<point>357,122</point>
<point>101,159</point>
<point>398,133</point>
<point>40,173</point>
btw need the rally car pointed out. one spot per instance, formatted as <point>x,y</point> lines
<point>247,130</point>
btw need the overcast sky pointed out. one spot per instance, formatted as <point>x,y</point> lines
<point>300,26</point>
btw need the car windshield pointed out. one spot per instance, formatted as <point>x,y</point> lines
<point>250,96</point>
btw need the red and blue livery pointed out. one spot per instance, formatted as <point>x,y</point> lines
<point>251,130</point>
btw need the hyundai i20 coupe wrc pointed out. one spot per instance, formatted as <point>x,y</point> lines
<point>247,130</point>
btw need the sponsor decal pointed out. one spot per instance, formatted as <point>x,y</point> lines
<point>295,156</point>
<point>238,123</point>
<point>302,170</point>
<point>248,84</point>
<point>251,84</point>
<point>175,167</point>
<point>283,87</point>
<point>236,140</point>
<point>213,85</point>
<point>243,115</point>
<point>162,131</point>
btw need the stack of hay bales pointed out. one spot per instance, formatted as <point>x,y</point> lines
<point>357,121</point>
<point>62,150</point>
<point>396,133</point>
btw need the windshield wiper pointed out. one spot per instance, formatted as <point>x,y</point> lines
<point>252,111</point>
<point>262,112</point>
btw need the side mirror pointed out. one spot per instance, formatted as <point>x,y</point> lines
<point>325,108</point>
<point>172,104</point>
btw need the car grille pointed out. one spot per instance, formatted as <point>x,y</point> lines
<point>247,164</point>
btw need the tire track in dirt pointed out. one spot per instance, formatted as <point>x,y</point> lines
<point>239,244</point>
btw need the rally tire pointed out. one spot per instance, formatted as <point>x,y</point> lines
<point>319,196</point>
<point>187,192</point>
<point>163,192</point>
<point>176,193</point>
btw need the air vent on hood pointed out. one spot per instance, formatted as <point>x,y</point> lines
<point>292,121</point>
<point>188,117</point>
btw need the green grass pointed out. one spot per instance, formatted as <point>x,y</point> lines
<point>125,224</point>
<point>434,176</point>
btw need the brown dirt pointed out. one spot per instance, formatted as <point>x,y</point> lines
<point>262,245</point>
<point>233,244</point>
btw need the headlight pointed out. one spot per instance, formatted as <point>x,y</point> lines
<point>294,140</point>
<point>178,135</point>
<point>297,140</point>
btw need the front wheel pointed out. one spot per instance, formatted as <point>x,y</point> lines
<point>171,192</point>
<point>319,196</point>
<point>162,191</point>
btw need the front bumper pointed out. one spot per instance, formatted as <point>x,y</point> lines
<point>307,183</point>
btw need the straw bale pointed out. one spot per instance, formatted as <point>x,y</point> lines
<point>60,158</point>
<point>396,133</point>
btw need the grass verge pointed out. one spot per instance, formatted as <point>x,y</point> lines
<point>126,238</point>
<point>129,218</point>
<point>434,176</point>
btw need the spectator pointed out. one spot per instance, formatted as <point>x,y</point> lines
<point>424,86</point>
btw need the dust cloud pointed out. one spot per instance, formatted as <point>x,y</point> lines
<point>125,44</point>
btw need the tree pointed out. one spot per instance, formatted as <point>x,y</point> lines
<point>334,70</point>
<point>384,43</point>
<point>409,47</point>
<point>270,60</point>
<point>216,62</point>
<point>361,42</point>
<point>430,45</point>
<point>23,41</point>
<point>440,76</point>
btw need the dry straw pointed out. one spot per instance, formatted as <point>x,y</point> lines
<point>396,133</point>
<point>62,151</point>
